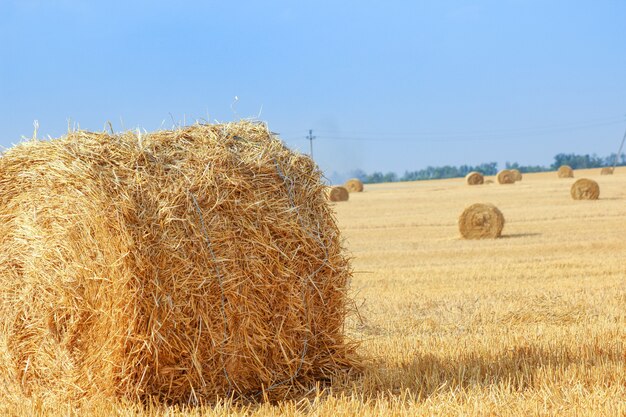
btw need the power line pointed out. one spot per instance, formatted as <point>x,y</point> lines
<point>551,127</point>
<point>621,146</point>
<point>476,135</point>
<point>462,137</point>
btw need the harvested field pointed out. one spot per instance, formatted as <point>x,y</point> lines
<point>529,324</point>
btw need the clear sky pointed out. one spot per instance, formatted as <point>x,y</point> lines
<point>385,85</point>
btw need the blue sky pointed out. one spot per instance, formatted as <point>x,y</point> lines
<point>385,86</point>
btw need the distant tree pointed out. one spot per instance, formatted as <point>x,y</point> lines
<point>373,178</point>
<point>390,177</point>
<point>577,161</point>
<point>526,168</point>
<point>447,171</point>
<point>489,168</point>
<point>610,160</point>
<point>378,177</point>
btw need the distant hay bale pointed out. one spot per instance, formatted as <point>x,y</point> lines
<point>505,177</point>
<point>474,178</point>
<point>338,193</point>
<point>606,171</point>
<point>180,265</point>
<point>585,189</point>
<point>565,171</point>
<point>517,175</point>
<point>354,185</point>
<point>488,181</point>
<point>481,221</point>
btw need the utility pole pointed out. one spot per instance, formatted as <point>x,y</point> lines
<point>619,152</point>
<point>310,137</point>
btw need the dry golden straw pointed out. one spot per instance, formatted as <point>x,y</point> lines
<point>505,177</point>
<point>565,171</point>
<point>338,193</point>
<point>517,175</point>
<point>474,178</point>
<point>178,265</point>
<point>481,221</point>
<point>606,171</point>
<point>585,189</point>
<point>354,185</point>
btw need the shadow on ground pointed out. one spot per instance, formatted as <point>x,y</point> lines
<point>516,235</point>
<point>517,369</point>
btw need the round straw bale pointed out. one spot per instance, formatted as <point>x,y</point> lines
<point>585,189</point>
<point>481,221</point>
<point>517,175</point>
<point>565,171</point>
<point>354,185</point>
<point>338,193</point>
<point>606,171</point>
<point>474,178</point>
<point>505,177</point>
<point>177,265</point>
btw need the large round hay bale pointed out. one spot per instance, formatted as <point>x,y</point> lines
<point>505,177</point>
<point>517,175</point>
<point>565,171</point>
<point>481,221</point>
<point>354,185</point>
<point>178,265</point>
<point>474,178</point>
<point>338,193</point>
<point>606,171</point>
<point>585,189</point>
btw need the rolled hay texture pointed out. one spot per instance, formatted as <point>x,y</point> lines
<point>517,175</point>
<point>585,189</point>
<point>606,171</point>
<point>354,185</point>
<point>338,193</point>
<point>481,221</point>
<point>505,177</point>
<point>565,171</point>
<point>474,178</point>
<point>178,265</point>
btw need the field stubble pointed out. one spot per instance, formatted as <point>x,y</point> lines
<point>533,323</point>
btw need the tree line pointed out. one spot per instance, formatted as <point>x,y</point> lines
<point>490,168</point>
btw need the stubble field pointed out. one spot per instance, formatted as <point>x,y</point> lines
<point>533,323</point>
